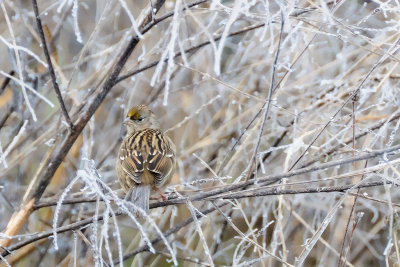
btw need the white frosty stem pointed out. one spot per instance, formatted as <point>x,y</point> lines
<point>313,240</point>
<point>76,23</point>
<point>23,49</point>
<point>5,261</point>
<point>193,211</point>
<point>60,7</point>
<point>23,85</point>
<point>12,144</point>
<point>28,104</point>
<point>58,208</point>
<point>104,236</point>
<point>3,157</point>
<point>132,19</point>
<point>119,241</point>
<point>231,20</point>
<point>15,139</point>
<point>171,49</point>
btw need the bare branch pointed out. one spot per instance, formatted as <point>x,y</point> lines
<point>50,65</point>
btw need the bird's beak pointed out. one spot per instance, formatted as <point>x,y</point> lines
<point>126,121</point>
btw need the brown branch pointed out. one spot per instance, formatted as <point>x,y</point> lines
<point>62,229</point>
<point>63,149</point>
<point>254,192</point>
<point>16,222</point>
<point>6,81</point>
<point>311,190</point>
<point>267,180</point>
<point>262,181</point>
<point>233,195</point>
<point>50,65</point>
<point>11,108</point>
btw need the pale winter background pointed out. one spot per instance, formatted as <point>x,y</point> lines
<point>285,116</point>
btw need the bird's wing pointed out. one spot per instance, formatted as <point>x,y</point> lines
<point>161,161</point>
<point>132,163</point>
<point>161,166</point>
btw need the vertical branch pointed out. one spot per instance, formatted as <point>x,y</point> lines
<point>267,104</point>
<point>50,65</point>
<point>342,255</point>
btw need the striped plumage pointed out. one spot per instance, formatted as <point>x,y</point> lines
<point>146,159</point>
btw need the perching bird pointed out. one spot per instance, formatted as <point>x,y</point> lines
<point>146,158</point>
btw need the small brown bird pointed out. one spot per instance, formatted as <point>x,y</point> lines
<point>146,158</point>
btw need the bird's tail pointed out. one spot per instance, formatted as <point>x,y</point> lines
<point>139,195</point>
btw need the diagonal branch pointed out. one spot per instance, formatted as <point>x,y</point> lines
<point>189,50</point>
<point>62,150</point>
<point>50,65</point>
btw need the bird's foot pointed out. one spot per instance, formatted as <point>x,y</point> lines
<point>163,197</point>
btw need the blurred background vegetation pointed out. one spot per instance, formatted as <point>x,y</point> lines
<point>246,89</point>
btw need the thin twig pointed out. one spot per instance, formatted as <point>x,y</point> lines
<point>267,104</point>
<point>342,260</point>
<point>6,81</point>
<point>50,66</point>
<point>189,50</point>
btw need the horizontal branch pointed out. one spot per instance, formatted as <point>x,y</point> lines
<point>270,179</point>
<point>35,237</point>
<point>262,181</point>
<point>257,192</point>
<point>233,195</point>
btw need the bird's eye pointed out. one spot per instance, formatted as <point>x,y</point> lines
<point>140,119</point>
